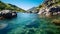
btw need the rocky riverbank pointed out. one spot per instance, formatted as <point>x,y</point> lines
<point>50,9</point>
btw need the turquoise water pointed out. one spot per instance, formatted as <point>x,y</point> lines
<point>21,20</point>
<point>26,23</point>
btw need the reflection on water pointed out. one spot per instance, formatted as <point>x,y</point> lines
<point>26,23</point>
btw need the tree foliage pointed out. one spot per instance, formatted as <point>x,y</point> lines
<point>5,6</point>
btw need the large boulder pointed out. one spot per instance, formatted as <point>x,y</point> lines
<point>8,14</point>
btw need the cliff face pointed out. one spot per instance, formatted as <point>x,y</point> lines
<point>6,6</point>
<point>50,8</point>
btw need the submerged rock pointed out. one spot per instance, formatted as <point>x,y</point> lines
<point>33,24</point>
<point>56,22</point>
<point>3,25</point>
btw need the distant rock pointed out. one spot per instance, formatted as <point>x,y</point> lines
<point>32,10</point>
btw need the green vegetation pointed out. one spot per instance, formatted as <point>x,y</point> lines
<point>5,6</point>
<point>49,3</point>
<point>40,6</point>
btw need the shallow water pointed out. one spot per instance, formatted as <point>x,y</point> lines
<point>26,23</point>
<point>21,20</point>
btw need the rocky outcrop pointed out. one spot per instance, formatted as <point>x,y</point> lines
<point>8,14</point>
<point>55,10</point>
<point>50,8</point>
<point>52,11</point>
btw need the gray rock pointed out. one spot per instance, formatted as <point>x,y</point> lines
<point>8,14</point>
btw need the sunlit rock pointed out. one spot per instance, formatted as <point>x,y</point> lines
<point>8,13</point>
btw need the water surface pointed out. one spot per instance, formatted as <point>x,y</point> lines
<point>26,23</point>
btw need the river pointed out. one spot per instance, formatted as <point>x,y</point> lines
<point>26,23</point>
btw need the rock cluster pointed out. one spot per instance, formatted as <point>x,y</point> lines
<point>7,14</point>
<point>50,11</point>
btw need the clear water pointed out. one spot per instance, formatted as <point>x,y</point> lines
<point>26,23</point>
